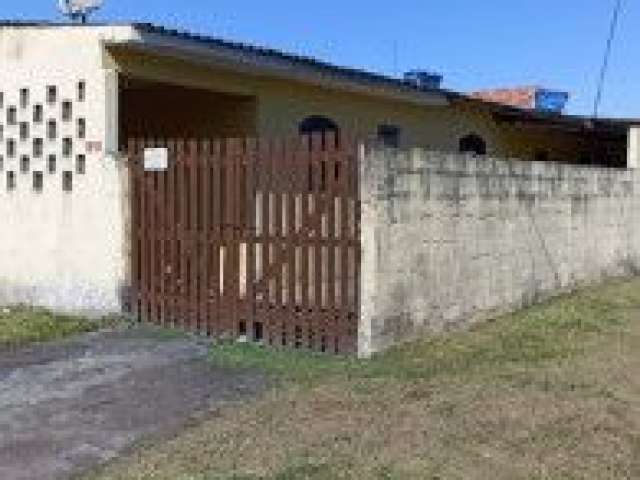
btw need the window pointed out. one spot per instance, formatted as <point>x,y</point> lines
<point>67,147</point>
<point>67,181</point>
<point>81,164</point>
<point>51,164</point>
<point>24,164</point>
<point>389,135</point>
<point>11,148</point>
<point>24,97</point>
<point>52,94</point>
<point>1,163</point>
<point>67,111</point>
<point>82,90</point>
<point>473,144</point>
<point>37,113</point>
<point>12,116</point>
<point>1,99</point>
<point>11,180</point>
<point>24,131</point>
<point>38,147</point>
<point>52,131</point>
<point>1,132</point>
<point>81,128</point>
<point>317,123</point>
<point>37,182</point>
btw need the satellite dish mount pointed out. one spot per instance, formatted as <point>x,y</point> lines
<point>78,10</point>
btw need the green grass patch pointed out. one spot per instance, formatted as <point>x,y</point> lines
<point>556,329</point>
<point>24,325</point>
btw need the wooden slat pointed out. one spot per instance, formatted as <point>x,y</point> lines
<point>228,183</point>
<point>193,241</point>
<point>249,235</point>
<point>215,235</point>
<point>291,184</point>
<point>160,236</point>
<point>204,200</point>
<point>172,251</point>
<point>330,225</point>
<point>318,317</point>
<point>134,192</point>
<point>144,250</point>
<point>263,284</point>
<point>182,199</point>
<point>305,166</point>
<point>152,229</point>
<point>273,273</point>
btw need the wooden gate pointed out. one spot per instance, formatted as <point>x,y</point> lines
<point>249,237</point>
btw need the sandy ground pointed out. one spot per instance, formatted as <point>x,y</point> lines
<point>70,405</point>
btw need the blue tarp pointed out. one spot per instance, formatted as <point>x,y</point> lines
<point>551,100</point>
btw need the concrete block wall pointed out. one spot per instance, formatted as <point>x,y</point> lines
<point>64,250</point>
<point>450,239</point>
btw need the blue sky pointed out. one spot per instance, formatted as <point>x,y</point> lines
<point>475,44</point>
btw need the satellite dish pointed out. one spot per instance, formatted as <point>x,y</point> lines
<point>78,10</point>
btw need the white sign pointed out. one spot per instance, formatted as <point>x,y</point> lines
<point>156,158</point>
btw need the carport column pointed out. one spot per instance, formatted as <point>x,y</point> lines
<point>633,147</point>
<point>119,177</point>
<point>111,113</point>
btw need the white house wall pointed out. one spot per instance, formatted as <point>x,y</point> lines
<point>60,249</point>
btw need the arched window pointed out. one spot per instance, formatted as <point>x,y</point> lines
<point>473,143</point>
<point>317,123</point>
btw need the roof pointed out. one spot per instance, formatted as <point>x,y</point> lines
<point>575,123</point>
<point>522,97</point>
<point>367,78</point>
<point>316,65</point>
<point>350,73</point>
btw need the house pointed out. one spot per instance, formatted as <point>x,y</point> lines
<point>71,96</point>
<point>144,79</point>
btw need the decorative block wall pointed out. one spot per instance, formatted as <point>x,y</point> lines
<point>62,194</point>
<point>43,134</point>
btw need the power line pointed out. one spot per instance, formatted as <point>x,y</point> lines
<point>395,58</point>
<point>607,55</point>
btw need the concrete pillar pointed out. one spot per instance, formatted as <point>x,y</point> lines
<point>633,147</point>
<point>369,163</point>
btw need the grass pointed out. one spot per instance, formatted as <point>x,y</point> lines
<point>24,325</point>
<point>552,392</point>
<point>556,329</point>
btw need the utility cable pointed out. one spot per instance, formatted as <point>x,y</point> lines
<point>607,55</point>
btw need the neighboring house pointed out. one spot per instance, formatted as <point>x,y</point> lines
<point>72,95</point>
<point>530,98</point>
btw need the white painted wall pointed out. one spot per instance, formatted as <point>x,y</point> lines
<point>63,250</point>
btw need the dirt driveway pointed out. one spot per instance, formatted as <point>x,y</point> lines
<point>66,406</point>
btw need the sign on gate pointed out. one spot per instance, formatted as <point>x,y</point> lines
<point>156,158</point>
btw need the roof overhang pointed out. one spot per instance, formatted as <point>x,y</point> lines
<point>258,62</point>
<point>526,118</point>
